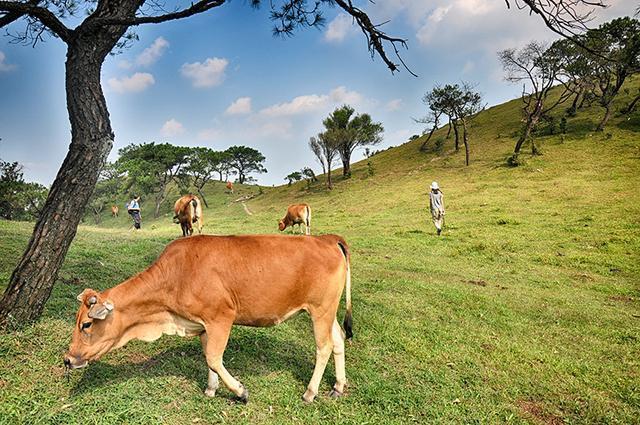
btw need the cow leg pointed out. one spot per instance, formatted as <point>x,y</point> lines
<point>324,345</point>
<point>338,359</point>
<point>212,380</point>
<point>217,337</point>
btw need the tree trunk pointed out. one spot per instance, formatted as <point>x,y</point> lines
<point>466,142</point>
<point>203,198</point>
<point>449,130</point>
<point>605,119</point>
<point>631,106</point>
<point>159,200</point>
<point>329,183</point>
<point>574,106</point>
<point>346,165</point>
<point>31,282</point>
<point>524,136</point>
<point>455,130</point>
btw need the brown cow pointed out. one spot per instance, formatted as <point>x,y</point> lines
<point>230,187</point>
<point>188,210</point>
<point>205,284</point>
<point>297,214</point>
<point>114,210</point>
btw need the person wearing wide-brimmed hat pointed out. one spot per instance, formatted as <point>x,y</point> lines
<point>436,204</point>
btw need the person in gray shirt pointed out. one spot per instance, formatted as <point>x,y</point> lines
<point>436,204</point>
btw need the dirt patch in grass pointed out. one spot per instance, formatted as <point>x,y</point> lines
<point>622,299</point>
<point>477,282</point>
<point>535,410</point>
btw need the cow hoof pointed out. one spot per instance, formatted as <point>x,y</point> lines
<point>244,397</point>
<point>210,392</point>
<point>335,393</point>
<point>308,396</point>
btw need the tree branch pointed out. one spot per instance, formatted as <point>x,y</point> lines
<point>196,8</point>
<point>16,10</point>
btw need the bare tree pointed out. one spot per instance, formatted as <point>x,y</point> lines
<point>533,68</point>
<point>102,27</point>
<point>328,142</point>
<point>315,147</point>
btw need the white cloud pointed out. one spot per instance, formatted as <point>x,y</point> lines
<point>172,128</point>
<point>5,67</point>
<point>151,54</point>
<point>240,106</point>
<point>125,64</point>
<point>314,102</point>
<point>468,67</point>
<point>207,74</point>
<point>338,29</point>
<point>394,105</point>
<point>136,83</point>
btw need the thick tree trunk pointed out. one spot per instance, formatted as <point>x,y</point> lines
<point>346,166</point>
<point>577,100</point>
<point>449,130</point>
<point>605,118</point>
<point>524,136</point>
<point>91,140</point>
<point>329,183</point>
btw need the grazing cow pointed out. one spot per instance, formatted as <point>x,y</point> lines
<point>230,187</point>
<point>114,210</point>
<point>297,214</point>
<point>188,211</point>
<point>205,284</point>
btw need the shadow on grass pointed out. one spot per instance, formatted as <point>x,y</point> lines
<point>248,354</point>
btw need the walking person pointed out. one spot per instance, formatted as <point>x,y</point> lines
<point>436,204</point>
<point>133,208</point>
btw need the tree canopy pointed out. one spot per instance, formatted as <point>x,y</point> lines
<point>244,161</point>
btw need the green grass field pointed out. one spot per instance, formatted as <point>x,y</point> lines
<point>525,310</point>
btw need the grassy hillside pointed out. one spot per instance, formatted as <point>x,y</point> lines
<point>526,310</point>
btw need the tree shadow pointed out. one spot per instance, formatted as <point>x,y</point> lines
<point>249,353</point>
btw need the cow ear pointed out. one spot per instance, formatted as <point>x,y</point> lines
<point>101,311</point>
<point>83,295</point>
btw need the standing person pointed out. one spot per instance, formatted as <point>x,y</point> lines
<point>133,208</point>
<point>436,204</point>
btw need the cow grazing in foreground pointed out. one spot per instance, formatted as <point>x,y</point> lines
<point>205,284</point>
<point>114,210</point>
<point>297,214</point>
<point>188,210</point>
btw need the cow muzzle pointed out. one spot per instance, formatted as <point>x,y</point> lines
<point>74,362</point>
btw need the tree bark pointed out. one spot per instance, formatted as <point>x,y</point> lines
<point>605,118</point>
<point>524,136</point>
<point>465,140</point>
<point>631,106</point>
<point>31,282</point>
<point>455,130</point>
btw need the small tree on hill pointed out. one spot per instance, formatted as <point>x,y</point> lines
<point>245,160</point>
<point>351,133</point>
<point>467,103</point>
<point>296,176</point>
<point>202,165</point>
<point>151,167</point>
<point>534,67</point>
<point>328,143</point>
<point>315,147</point>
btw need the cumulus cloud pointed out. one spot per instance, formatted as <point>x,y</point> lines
<point>172,128</point>
<point>151,54</point>
<point>4,66</point>
<point>314,102</point>
<point>211,73</point>
<point>136,83</point>
<point>338,29</point>
<point>394,105</point>
<point>240,106</point>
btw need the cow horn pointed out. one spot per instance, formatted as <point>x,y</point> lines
<point>92,300</point>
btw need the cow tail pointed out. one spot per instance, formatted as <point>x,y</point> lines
<point>308,223</point>
<point>348,318</point>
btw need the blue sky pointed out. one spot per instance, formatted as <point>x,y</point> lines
<point>221,79</point>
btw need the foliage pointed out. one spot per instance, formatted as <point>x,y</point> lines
<point>19,200</point>
<point>293,177</point>
<point>245,160</point>
<point>351,132</point>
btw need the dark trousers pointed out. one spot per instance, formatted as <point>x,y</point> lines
<point>135,214</point>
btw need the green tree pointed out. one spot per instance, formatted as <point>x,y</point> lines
<point>151,167</point>
<point>91,30</point>
<point>328,142</point>
<point>202,165</point>
<point>244,160</point>
<point>351,132</point>
<point>293,177</point>
<point>110,185</point>
<point>19,200</point>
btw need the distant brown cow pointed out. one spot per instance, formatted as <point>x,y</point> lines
<point>188,211</point>
<point>114,210</point>
<point>230,187</point>
<point>203,285</point>
<point>297,214</point>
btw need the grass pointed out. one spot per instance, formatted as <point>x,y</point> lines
<point>526,310</point>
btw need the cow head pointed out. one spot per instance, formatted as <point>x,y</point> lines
<point>281,225</point>
<point>91,337</point>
